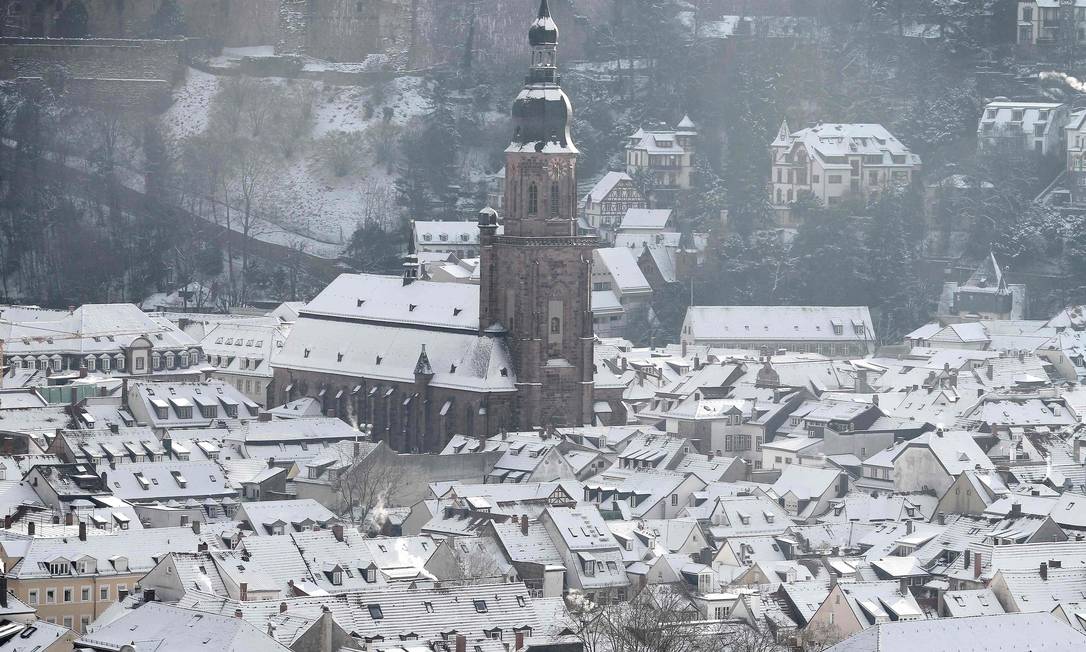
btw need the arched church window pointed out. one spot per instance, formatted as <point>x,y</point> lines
<point>533,199</point>
<point>556,325</point>
<point>555,194</point>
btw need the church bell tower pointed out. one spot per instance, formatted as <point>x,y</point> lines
<point>536,278</point>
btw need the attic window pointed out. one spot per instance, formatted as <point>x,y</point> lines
<point>375,611</point>
<point>360,302</point>
<point>520,600</point>
<point>411,307</point>
<point>480,606</point>
<point>452,369</point>
<point>306,354</point>
<point>379,358</point>
<point>339,357</point>
<point>457,311</point>
<point>429,606</point>
<point>504,371</point>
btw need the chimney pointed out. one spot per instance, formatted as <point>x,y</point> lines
<point>966,558</point>
<point>264,416</point>
<point>903,586</point>
<point>7,521</point>
<point>30,528</point>
<point>875,400</point>
<point>115,428</point>
<point>82,530</point>
<point>243,591</point>
<point>908,527</point>
<point>237,613</point>
<point>4,590</point>
<point>282,607</point>
<point>519,641</point>
<point>990,372</point>
<point>337,532</point>
<point>201,547</point>
<point>1016,509</point>
<point>196,527</point>
<point>1044,571</point>
<point>976,565</point>
<point>940,518</point>
<point>69,519</point>
<point>461,643</point>
<point>524,524</point>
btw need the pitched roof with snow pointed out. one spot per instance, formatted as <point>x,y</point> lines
<point>605,185</point>
<point>780,323</point>
<point>1020,632</point>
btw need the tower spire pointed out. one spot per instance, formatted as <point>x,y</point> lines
<point>542,112</point>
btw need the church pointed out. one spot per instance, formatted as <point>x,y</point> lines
<point>422,361</point>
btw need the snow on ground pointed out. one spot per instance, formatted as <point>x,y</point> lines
<point>311,205</point>
<point>192,104</point>
<point>232,56</point>
<point>344,109</point>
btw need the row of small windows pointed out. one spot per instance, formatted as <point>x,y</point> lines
<point>109,362</point>
<point>444,237</point>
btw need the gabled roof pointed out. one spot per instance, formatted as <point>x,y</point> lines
<point>386,300</point>
<point>166,628</point>
<point>605,185</point>
<point>1020,632</point>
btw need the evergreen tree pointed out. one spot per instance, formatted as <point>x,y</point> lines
<point>168,21</point>
<point>72,21</point>
<point>373,250</point>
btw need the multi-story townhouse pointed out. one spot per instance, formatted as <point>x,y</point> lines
<point>836,161</point>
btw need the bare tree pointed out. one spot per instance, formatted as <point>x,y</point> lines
<point>366,483</point>
<point>252,173</point>
<point>657,619</point>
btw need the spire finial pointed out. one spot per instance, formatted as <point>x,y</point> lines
<point>543,31</point>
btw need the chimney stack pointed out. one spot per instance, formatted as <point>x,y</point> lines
<point>461,643</point>
<point>337,532</point>
<point>243,591</point>
<point>903,585</point>
<point>282,607</point>
<point>82,530</point>
<point>69,519</point>
<point>196,527</point>
<point>4,590</point>
<point>1044,571</point>
<point>30,528</point>
<point>237,613</point>
<point>519,641</point>
<point>976,565</point>
<point>7,521</point>
<point>524,524</point>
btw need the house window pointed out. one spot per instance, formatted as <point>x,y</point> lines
<point>103,593</point>
<point>32,597</point>
<point>68,593</point>
<point>50,596</point>
<point>556,325</point>
<point>85,594</point>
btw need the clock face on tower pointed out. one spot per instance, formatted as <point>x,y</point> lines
<point>556,168</point>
